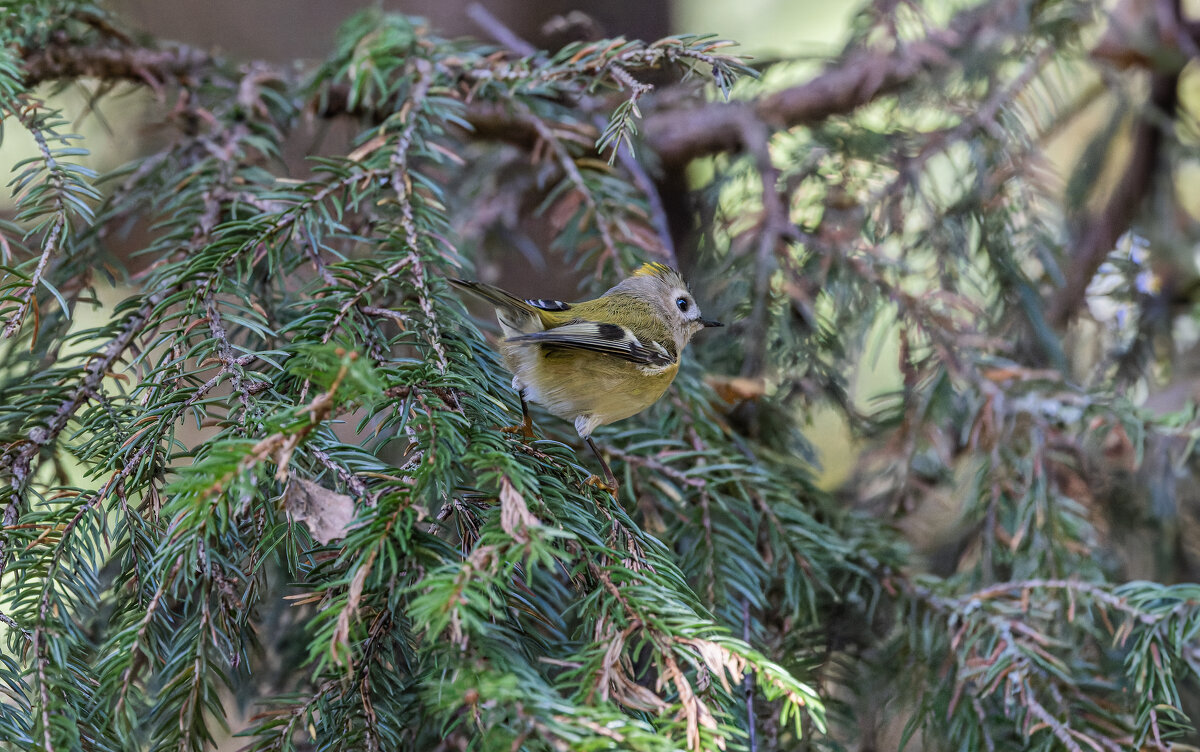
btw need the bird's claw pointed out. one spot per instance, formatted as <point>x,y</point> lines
<point>525,429</point>
<point>596,481</point>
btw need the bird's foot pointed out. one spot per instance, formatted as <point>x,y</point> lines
<point>595,481</point>
<point>525,429</point>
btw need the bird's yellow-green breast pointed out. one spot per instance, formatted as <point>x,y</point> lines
<point>596,387</point>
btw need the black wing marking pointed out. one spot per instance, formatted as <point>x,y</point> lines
<point>609,339</point>
<point>549,305</point>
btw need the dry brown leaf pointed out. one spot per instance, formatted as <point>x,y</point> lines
<point>737,389</point>
<point>515,517</point>
<point>327,514</point>
<point>693,709</point>
<point>341,634</point>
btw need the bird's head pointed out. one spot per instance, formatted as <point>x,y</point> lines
<point>665,289</point>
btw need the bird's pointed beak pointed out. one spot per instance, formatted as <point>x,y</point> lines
<point>710,322</point>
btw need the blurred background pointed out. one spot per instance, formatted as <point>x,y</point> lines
<point>281,30</point>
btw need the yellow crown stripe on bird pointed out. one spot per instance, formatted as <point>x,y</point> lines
<point>596,361</point>
<point>653,267</point>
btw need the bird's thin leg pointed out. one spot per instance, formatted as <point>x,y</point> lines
<point>610,481</point>
<point>526,420</point>
<point>525,427</point>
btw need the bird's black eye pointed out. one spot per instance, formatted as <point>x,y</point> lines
<point>682,303</point>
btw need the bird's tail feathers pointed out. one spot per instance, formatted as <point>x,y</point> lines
<point>513,313</point>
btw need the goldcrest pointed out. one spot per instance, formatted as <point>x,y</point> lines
<point>596,361</point>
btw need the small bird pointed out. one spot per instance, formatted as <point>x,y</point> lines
<point>596,361</point>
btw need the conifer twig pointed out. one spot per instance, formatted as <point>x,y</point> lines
<point>748,684</point>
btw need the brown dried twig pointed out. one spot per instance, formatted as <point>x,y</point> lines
<point>1099,230</point>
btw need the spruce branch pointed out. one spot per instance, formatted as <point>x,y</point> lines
<point>402,184</point>
<point>50,193</point>
<point>774,231</point>
<point>569,167</point>
<point>1018,657</point>
<point>19,463</point>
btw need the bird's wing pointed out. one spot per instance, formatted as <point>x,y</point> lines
<point>516,314</point>
<point>548,305</point>
<point>608,339</point>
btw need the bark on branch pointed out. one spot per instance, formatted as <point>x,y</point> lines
<point>1099,231</point>
<point>153,67</point>
<point>680,135</point>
